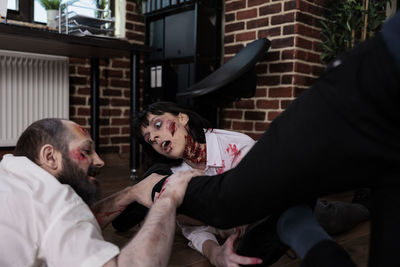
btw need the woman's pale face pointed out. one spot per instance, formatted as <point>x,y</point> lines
<point>167,134</point>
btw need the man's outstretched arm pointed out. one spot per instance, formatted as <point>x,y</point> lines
<point>152,244</point>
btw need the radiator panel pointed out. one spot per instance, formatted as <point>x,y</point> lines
<point>32,87</point>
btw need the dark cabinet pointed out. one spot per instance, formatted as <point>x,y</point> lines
<point>186,38</point>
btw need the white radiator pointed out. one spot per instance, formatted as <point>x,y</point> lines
<point>32,87</point>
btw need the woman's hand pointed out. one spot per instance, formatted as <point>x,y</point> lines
<point>225,256</point>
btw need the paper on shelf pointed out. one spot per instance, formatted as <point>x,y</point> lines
<point>3,8</point>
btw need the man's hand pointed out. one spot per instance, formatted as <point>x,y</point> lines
<point>225,256</point>
<point>175,186</point>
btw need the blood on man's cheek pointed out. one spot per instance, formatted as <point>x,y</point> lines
<point>78,155</point>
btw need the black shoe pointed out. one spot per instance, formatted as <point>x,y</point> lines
<point>261,240</point>
<point>135,212</point>
<point>363,196</point>
<point>337,217</point>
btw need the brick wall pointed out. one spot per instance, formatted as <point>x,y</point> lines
<point>291,65</point>
<point>114,109</point>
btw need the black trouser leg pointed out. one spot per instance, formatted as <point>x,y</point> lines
<point>340,134</point>
<point>385,223</point>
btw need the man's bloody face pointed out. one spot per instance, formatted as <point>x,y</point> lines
<point>81,164</point>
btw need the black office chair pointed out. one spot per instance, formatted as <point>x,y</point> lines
<point>234,80</point>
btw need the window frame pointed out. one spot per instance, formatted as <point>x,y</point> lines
<point>24,12</point>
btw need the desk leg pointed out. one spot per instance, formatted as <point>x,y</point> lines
<point>94,101</point>
<point>134,89</point>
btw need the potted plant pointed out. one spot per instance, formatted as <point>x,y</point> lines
<point>51,7</point>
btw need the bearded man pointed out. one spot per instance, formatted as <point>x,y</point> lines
<point>45,190</point>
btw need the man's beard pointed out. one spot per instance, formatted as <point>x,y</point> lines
<point>72,175</point>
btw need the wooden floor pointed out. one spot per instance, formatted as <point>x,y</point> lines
<point>117,177</point>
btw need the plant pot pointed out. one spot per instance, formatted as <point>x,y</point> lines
<point>51,18</point>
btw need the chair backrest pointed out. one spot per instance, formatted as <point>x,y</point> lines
<point>241,64</point>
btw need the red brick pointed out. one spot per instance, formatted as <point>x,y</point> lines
<point>108,149</point>
<point>303,43</point>
<point>229,39</point>
<point>306,19</point>
<point>270,32</point>
<point>112,92</point>
<point>242,125</point>
<point>272,56</point>
<point>304,30</point>
<point>289,29</point>
<point>80,121</point>
<point>236,5</point>
<point>254,115</point>
<point>129,6</point>
<point>110,112</point>
<point>139,28</point>
<point>246,36</point>
<point>120,139</point>
<point>134,17</point>
<point>78,80</point>
<point>272,115</point>
<point>232,114</point>
<point>127,112</point>
<point>83,91</point>
<point>249,104</point>
<point>251,3</point>
<point>270,9</point>
<point>261,92</point>
<point>229,17</point>
<point>261,68</point>
<point>118,63</point>
<point>288,54</point>
<point>117,121</point>
<point>302,68</point>
<point>134,36</point>
<point>126,130</point>
<point>120,83</point>
<point>104,101</point>
<point>74,100</point>
<point>280,92</point>
<point>83,112</point>
<point>125,149</point>
<point>109,130</point>
<point>282,42</point>
<point>115,73</point>
<point>129,26</point>
<point>261,126</point>
<point>281,67</point>
<point>267,104</point>
<point>234,27</point>
<point>257,23</point>
<point>246,14</point>
<point>309,8</point>
<point>120,102</point>
<point>234,49</point>
<point>281,19</point>
<point>104,121</point>
<point>287,79</point>
<point>268,80</point>
<point>290,5</point>
<point>303,80</point>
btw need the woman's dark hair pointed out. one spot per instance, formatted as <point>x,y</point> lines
<point>46,131</point>
<point>196,124</point>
